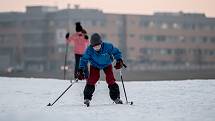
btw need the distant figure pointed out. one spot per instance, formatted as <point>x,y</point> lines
<point>100,55</point>
<point>80,42</point>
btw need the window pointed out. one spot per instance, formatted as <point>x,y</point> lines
<point>200,26</point>
<point>51,23</point>
<point>182,39</point>
<point>193,26</point>
<point>35,52</point>
<point>161,38</point>
<point>33,39</point>
<point>146,50</point>
<point>207,27</point>
<point>170,51</point>
<point>166,51</point>
<point>211,52</point>
<point>171,38</point>
<point>119,23</point>
<point>179,51</point>
<point>148,38</point>
<point>212,40</point>
<point>144,24</point>
<point>189,26</point>
<point>193,39</point>
<point>164,26</point>
<point>176,26</point>
<point>7,24</point>
<point>6,50</point>
<point>151,24</point>
<point>163,52</point>
<point>101,23</point>
<point>204,39</point>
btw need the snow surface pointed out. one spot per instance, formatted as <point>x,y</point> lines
<point>25,99</point>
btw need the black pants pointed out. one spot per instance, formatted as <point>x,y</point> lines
<point>113,91</point>
<point>77,62</point>
<point>93,78</point>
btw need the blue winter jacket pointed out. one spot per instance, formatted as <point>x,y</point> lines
<point>102,58</point>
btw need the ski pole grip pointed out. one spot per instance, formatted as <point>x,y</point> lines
<point>124,65</point>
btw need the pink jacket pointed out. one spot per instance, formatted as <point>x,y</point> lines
<point>79,42</point>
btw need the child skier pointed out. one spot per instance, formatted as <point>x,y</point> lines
<point>100,55</point>
<point>80,41</point>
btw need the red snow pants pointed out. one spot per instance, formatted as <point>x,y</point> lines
<point>95,75</point>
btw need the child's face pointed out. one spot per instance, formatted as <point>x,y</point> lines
<point>97,47</point>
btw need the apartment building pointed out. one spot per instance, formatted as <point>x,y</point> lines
<point>34,40</point>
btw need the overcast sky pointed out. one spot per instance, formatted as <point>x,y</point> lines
<point>120,6</point>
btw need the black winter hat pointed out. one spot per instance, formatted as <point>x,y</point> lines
<point>95,39</point>
<point>78,27</point>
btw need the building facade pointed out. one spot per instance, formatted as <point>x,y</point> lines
<point>35,40</point>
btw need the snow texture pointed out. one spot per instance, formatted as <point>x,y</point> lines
<point>25,99</point>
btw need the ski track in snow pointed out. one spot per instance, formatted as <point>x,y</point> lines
<point>25,99</point>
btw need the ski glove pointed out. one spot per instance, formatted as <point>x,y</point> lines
<point>67,35</point>
<point>119,64</point>
<point>80,74</point>
<point>86,37</point>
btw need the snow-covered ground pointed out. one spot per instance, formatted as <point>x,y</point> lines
<point>25,99</point>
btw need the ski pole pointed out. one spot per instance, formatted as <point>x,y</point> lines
<point>131,103</point>
<point>63,93</point>
<point>65,61</point>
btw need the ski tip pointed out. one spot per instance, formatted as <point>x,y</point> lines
<point>49,104</point>
<point>131,103</point>
<point>88,105</point>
